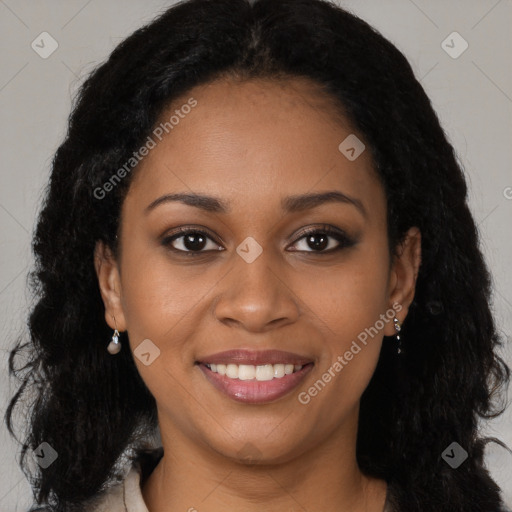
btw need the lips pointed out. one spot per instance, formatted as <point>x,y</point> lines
<point>253,390</point>
<point>255,358</point>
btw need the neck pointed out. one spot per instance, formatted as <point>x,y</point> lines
<point>327,477</point>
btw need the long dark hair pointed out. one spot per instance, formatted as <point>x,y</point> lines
<point>90,407</point>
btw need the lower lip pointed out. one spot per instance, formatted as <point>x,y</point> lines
<point>254,391</point>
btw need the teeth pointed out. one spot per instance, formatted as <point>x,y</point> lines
<point>250,372</point>
<point>247,372</point>
<point>279,371</point>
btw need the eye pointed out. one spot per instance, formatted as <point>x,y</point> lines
<point>318,239</point>
<point>195,241</point>
<point>190,241</point>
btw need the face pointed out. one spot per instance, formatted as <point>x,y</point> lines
<point>255,269</point>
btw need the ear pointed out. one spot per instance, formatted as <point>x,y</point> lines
<point>109,281</point>
<point>403,276</point>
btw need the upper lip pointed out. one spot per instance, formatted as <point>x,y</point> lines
<point>255,357</point>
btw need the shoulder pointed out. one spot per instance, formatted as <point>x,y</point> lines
<point>392,502</point>
<point>126,496</point>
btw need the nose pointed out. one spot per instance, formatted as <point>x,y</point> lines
<point>256,296</point>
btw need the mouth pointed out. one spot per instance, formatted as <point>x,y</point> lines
<point>255,377</point>
<point>261,373</point>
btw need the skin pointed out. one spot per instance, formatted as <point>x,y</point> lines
<point>251,144</point>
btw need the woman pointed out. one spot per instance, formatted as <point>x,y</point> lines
<point>259,283</point>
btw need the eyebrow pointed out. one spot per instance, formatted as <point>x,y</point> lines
<point>290,204</point>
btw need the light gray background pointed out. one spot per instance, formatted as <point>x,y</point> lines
<point>472,95</point>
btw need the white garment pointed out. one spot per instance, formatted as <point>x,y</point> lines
<point>125,496</point>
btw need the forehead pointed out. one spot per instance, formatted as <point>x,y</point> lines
<point>251,141</point>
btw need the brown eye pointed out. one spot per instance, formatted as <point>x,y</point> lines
<point>318,240</point>
<point>190,241</point>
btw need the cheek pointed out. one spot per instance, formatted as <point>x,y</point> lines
<point>158,296</point>
<point>349,297</point>
<point>348,308</point>
<point>160,305</point>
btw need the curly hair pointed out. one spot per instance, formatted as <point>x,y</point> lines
<point>91,407</point>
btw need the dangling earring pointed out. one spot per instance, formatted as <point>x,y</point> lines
<point>115,345</point>
<point>398,328</point>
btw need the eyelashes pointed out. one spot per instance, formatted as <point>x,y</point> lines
<point>200,239</point>
<point>189,234</point>
<point>326,232</point>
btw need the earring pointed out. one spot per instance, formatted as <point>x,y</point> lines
<point>398,328</point>
<point>115,345</point>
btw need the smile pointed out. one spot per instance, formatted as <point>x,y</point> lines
<point>255,384</point>
<point>260,373</point>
